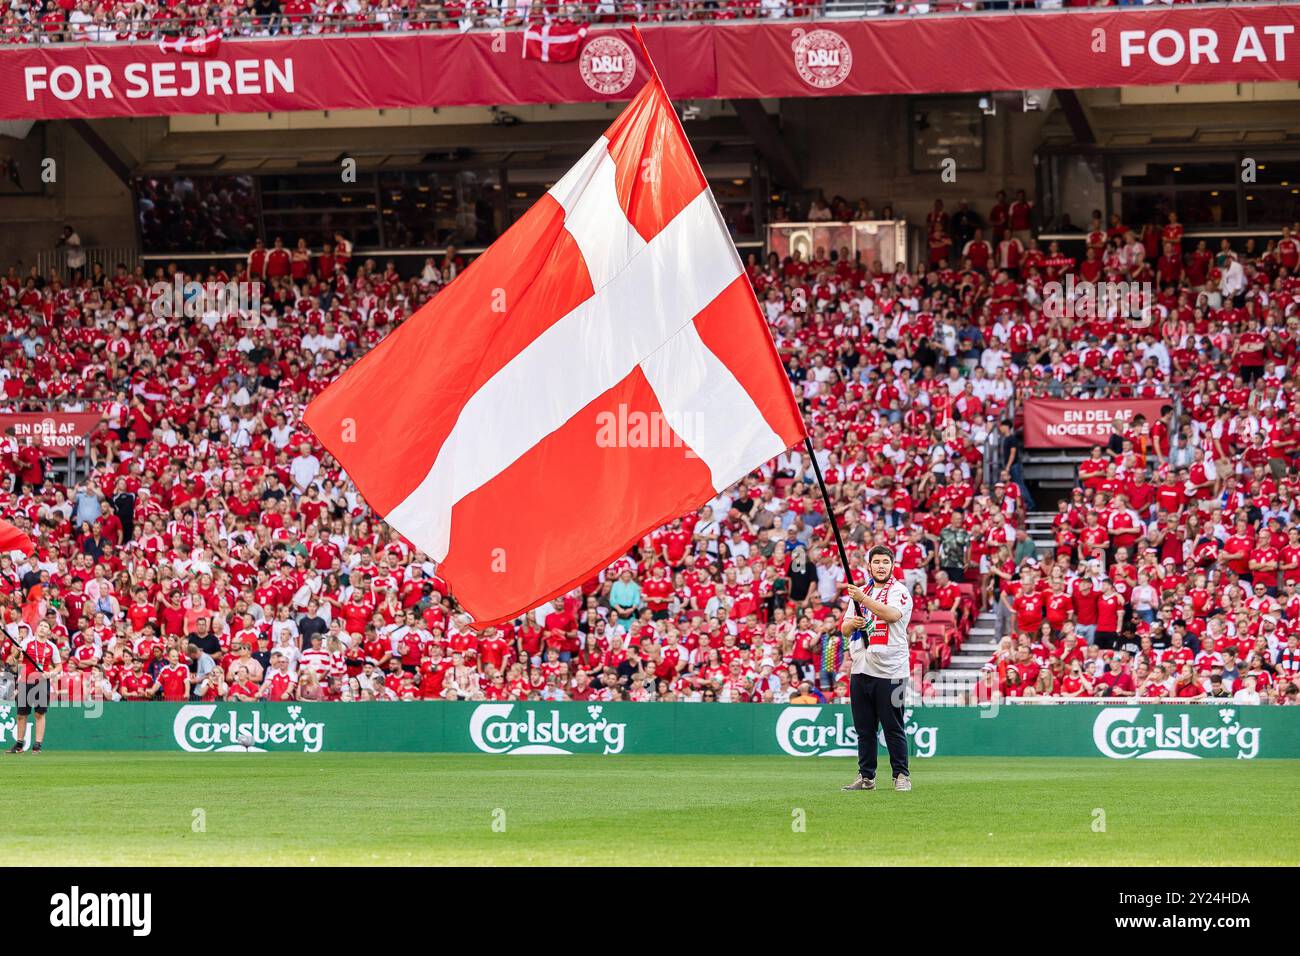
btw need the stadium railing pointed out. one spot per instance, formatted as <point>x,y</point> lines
<point>1076,241</point>
<point>1096,388</point>
<point>437,17</point>
<point>54,262</point>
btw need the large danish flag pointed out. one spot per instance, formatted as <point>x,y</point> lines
<point>480,428</point>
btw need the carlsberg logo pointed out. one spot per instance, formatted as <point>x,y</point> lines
<point>1120,733</point>
<point>197,732</point>
<point>805,732</point>
<point>543,732</point>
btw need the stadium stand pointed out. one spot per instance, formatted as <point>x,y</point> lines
<point>214,548</point>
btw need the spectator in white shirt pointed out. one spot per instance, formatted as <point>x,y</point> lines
<point>79,22</point>
<point>1233,282</point>
<point>304,468</point>
<point>331,339</point>
<point>1247,695</point>
<point>1152,348</point>
<point>281,432</point>
<point>829,576</point>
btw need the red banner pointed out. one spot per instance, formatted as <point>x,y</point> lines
<point>1131,47</point>
<point>1128,47</point>
<point>366,72</point>
<point>56,434</point>
<point>1081,423</point>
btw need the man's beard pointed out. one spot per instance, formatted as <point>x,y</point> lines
<point>882,580</point>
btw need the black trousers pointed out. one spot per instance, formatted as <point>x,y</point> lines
<point>878,702</point>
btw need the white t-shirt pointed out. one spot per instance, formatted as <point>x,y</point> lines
<point>280,437</point>
<point>829,576</point>
<point>304,470</point>
<point>890,659</point>
<point>710,527</point>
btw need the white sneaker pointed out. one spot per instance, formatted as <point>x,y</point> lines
<point>902,782</point>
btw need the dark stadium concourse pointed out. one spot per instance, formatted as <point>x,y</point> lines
<point>394,181</point>
<point>403,183</point>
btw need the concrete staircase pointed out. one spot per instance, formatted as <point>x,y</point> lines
<point>958,678</point>
<point>1039,526</point>
<point>1053,468</point>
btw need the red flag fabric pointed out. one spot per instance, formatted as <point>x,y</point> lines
<point>204,46</point>
<point>556,42</point>
<point>11,539</point>
<point>601,369</point>
<point>33,610</point>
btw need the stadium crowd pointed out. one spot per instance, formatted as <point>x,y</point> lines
<point>215,551</point>
<point>124,21</point>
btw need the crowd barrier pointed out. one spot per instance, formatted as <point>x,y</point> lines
<point>1118,731</point>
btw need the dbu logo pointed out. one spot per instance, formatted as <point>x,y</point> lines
<point>607,64</point>
<point>824,58</point>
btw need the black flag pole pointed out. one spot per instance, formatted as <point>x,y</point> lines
<point>830,515</point>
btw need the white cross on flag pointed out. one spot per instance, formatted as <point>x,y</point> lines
<point>556,42</point>
<point>600,370</point>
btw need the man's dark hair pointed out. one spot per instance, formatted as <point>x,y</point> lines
<point>879,549</point>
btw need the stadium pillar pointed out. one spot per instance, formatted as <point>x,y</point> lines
<point>767,137</point>
<point>1077,117</point>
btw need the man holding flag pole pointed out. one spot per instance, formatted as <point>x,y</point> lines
<point>877,636</point>
<point>875,629</point>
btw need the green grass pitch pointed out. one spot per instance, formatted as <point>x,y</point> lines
<point>364,809</point>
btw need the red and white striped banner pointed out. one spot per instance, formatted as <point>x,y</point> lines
<point>492,428</point>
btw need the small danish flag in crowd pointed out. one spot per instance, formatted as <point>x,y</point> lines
<point>555,42</point>
<point>600,370</point>
<point>192,46</point>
